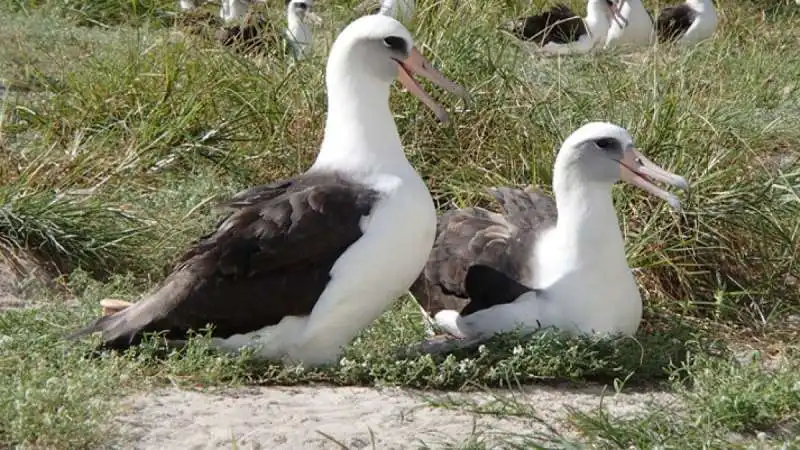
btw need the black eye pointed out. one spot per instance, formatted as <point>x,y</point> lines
<point>606,143</point>
<point>395,43</point>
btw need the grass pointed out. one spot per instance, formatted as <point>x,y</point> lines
<point>117,137</point>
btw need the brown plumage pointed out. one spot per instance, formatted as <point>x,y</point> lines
<point>270,257</point>
<point>674,21</point>
<point>254,35</point>
<point>475,236</point>
<point>558,25</point>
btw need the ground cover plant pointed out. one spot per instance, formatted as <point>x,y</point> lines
<point>118,133</point>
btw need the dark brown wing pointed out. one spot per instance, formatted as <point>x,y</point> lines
<point>474,236</point>
<point>269,258</point>
<point>530,208</point>
<point>673,21</point>
<point>462,237</point>
<point>488,287</point>
<point>559,25</point>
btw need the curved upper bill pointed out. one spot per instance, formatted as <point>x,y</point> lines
<point>416,63</point>
<point>640,171</point>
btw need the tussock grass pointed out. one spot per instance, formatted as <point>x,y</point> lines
<point>728,404</point>
<point>69,230</point>
<point>118,133</point>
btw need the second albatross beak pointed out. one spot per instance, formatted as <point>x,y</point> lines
<point>416,63</point>
<point>639,171</point>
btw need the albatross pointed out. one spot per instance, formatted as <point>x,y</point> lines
<point>688,23</point>
<point>255,35</point>
<point>632,27</point>
<point>559,31</point>
<point>401,10</point>
<point>298,33</point>
<point>233,10</point>
<point>545,262</point>
<point>299,266</point>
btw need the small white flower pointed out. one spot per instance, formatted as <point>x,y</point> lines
<point>482,349</point>
<point>518,350</point>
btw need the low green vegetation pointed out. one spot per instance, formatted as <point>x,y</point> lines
<point>118,133</point>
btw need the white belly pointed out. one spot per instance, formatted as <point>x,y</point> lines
<point>591,292</point>
<point>702,28</point>
<point>638,32</point>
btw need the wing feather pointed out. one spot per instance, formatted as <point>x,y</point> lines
<point>475,236</point>
<point>270,257</point>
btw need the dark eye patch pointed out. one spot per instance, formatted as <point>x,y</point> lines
<point>396,44</point>
<point>607,143</point>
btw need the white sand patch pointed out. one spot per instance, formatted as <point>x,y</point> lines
<point>291,418</point>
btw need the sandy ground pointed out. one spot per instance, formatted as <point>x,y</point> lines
<point>353,418</point>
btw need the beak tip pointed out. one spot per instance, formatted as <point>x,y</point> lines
<point>467,99</point>
<point>675,204</point>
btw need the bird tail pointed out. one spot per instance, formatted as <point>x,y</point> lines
<point>96,325</point>
<point>124,328</point>
<point>119,330</point>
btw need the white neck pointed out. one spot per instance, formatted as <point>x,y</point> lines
<point>360,133</point>
<point>597,19</point>
<point>587,223</point>
<point>297,29</point>
<point>232,10</point>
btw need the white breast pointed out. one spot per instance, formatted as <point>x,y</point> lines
<point>366,279</point>
<point>587,291</point>
<point>703,27</point>
<point>376,270</point>
<point>639,30</point>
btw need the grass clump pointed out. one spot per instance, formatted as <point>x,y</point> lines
<point>729,404</point>
<point>69,231</point>
<point>100,13</point>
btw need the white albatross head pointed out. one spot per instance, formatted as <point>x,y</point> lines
<point>375,50</point>
<point>602,152</point>
<point>613,11</point>
<point>298,8</point>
